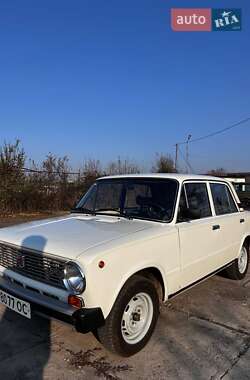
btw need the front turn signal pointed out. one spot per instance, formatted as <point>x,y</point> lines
<point>75,301</point>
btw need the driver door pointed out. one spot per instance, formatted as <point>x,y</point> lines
<point>198,234</point>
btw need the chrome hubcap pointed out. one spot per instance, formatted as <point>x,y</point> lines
<point>137,318</point>
<point>242,260</point>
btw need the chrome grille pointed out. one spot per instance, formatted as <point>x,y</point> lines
<point>33,265</point>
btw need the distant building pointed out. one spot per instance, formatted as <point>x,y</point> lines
<point>237,177</point>
<point>240,180</point>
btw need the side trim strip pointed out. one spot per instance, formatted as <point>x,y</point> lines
<point>199,281</point>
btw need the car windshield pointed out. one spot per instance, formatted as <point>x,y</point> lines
<point>142,198</point>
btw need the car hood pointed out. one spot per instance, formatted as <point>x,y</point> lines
<point>72,235</point>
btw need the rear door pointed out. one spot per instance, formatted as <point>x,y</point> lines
<point>198,233</point>
<point>230,220</point>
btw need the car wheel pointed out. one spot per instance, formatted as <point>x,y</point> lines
<point>132,319</point>
<point>238,269</point>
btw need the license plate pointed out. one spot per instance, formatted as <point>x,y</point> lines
<point>15,304</point>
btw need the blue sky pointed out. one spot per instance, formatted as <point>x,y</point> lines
<point>94,78</point>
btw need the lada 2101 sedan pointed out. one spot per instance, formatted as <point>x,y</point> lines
<point>131,243</point>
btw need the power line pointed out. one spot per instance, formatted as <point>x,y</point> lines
<point>189,140</point>
<point>187,162</point>
<point>217,132</point>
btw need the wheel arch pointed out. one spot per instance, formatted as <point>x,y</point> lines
<point>155,275</point>
<point>150,271</point>
<point>247,241</point>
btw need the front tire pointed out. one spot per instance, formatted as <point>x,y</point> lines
<point>132,319</point>
<point>238,270</point>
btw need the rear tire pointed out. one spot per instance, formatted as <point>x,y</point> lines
<point>132,319</point>
<point>238,270</point>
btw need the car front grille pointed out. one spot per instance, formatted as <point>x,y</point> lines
<point>34,265</point>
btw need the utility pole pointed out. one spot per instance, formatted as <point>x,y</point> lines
<point>176,157</point>
<point>187,151</point>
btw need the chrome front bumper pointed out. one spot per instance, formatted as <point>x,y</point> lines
<point>84,320</point>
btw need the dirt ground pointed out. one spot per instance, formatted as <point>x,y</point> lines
<point>202,334</point>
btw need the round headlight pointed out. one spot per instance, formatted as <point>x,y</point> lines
<point>74,279</point>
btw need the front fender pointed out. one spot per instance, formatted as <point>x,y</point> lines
<point>104,284</point>
<point>126,278</point>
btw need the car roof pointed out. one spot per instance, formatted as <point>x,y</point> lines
<point>178,177</point>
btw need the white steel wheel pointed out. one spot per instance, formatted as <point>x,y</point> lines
<point>243,260</point>
<point>137,318</point>
<point>133,317</point>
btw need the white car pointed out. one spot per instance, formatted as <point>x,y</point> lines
<point>131,243</point>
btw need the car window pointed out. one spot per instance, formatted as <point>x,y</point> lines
<point>142,198</point>
<point>223,200</point>
<point>150,200</point>
<point>90,198</point>
<point>108,196</point>
<point>133,192</point>
<point>194,202</point>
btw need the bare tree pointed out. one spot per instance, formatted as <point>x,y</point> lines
<point>12,158</point>
<point>12,178</point>
<point>164,163</point>
<point>91,170</point>
<point>122,167</point>
<point>50,186</point>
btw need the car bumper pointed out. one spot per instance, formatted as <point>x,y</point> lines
<point>84,319</point>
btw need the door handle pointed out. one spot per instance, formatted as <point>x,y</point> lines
<point>216,227</point>
<point>242,220</point>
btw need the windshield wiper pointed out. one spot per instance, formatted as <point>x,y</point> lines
<point>126,216</point>
<point>83,210</point>
<point>129,217</point>
<point>108,210</point>
<point>113,212</point>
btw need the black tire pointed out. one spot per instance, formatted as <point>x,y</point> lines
<point>233,271</point>
<point>110,335</point>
